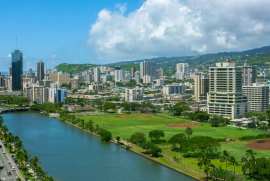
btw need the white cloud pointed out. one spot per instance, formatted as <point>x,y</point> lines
<point>9,55</point>
<point>174,27</point>
<point>53,56</point>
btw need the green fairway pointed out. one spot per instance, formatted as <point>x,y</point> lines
<point>125,125</point>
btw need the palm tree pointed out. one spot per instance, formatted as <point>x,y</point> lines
<point>34,162</point>
<point>1,121</point>
<point>20,156</point>
<point>233,162</point>
<point>18,145</point>
<point>189,131</point>
<point>206,162</point>
<point>4,129</point>
<point>26,156</point>
<point>225,156</point>
<point>90,125</point>
<point>82,123</point>
<point>97,128</point>
<point>239,124</point>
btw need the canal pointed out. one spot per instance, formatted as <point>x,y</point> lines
<point>71,154</point>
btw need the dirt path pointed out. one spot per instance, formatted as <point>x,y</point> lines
<point>180,166</point>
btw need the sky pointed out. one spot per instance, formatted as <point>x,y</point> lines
<point>100,32</point>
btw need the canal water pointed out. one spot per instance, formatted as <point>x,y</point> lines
<point>70,154</point>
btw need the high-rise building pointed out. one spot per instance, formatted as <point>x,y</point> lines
<point>248,74</point>
<point>201,87</point>
<point>127,77</point>
<point>258,97</point>
<point>39,94</point>
<point>30,72</point>
<point>148,69</point>
<point>9,71</point>
<point>60,78</point>
<point>133,70</point>
<point>120,75</point>
<point>17,70</point>
<point>2,80</point>
<point>40,71</point>
<point>134,94</point>
<point>137,76</point>
<point>182,71</point>
<point>160,73</point>
<point>117,68</point>
<point>58,95</point>
<point>225,95</point>
<point>97,74</point>
<point>174,88</point>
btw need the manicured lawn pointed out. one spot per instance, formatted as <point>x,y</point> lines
<point>125,127</point>
<point>238,149</point>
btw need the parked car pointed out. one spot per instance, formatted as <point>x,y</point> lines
<point>26,179</point>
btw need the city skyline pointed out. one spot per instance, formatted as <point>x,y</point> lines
<point>128,30</point>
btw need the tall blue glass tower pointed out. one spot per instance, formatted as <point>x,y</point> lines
<point>17,70</point>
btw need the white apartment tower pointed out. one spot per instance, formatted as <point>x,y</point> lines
<point>201,87</point>
<point>182,71</point>
<point>133,94</point>
<point>97,74</point>
<point>225,95</point>
<point>258,97</point>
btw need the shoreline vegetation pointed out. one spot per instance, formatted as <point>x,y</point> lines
<point>28,167</point>
<point>198,149</point>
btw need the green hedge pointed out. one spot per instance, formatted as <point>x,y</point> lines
<point>259,136</point>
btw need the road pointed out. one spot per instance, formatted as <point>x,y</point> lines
<point>7,167</point>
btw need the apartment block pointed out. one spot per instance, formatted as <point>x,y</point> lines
<point>225,95</point>
<point>174,88</point>
<point>201,87</point>
<point>134,94</point>
<point>258,97</point>
<point>61,78</point>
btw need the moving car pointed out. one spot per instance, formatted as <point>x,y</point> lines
<point>13,169</point>
<point>8,162</point>
<point>9,173</point>
<point>4,152</point>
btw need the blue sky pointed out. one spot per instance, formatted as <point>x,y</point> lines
<point>50,28</point>
<point>100,32</point>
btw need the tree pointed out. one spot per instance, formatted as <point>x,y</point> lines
<point>90,125</point>
<point>146,145</point>
<point>105,135</point>
<point>250,162</point>
<point>156,134</point>
<point>203,144</point>
<point>179,139</point>
<point>108,106</point>
<point>179,108</point>
<point>118,138</point>
<point>225,156</point>
<point>205,161</point>
<point>256,116</point>
<point>189,131</point>
<point>239,125</point>
<point>155,150</point>
<point>82,123</point>
<point>233,162</point>
<point>26,156</point>
<point>137,137</point>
